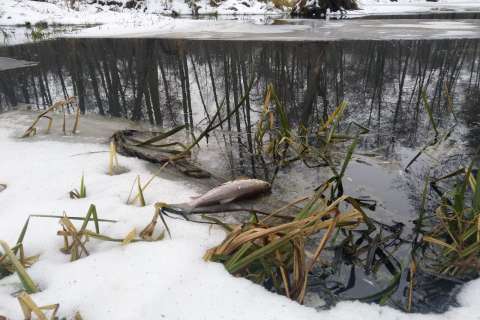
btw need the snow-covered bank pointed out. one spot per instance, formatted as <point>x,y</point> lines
<point>166,279</point>
<point>159,280</point>
<point>153,12</point>
<point>15,12</point>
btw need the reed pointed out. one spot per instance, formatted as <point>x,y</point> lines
<point>456,231</point>
<point>59,105</point>
<point>29,307</point>
<point>275,252</point>
<point>81,192</point>
<point>9,263</point>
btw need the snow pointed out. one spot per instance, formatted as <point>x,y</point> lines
<point>16,12</point>
<point>226,7</point>
<point>157,280</point>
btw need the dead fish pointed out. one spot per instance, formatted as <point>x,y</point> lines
<point>227,192</point>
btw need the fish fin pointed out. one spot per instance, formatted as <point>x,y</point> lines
<point>227,200</point>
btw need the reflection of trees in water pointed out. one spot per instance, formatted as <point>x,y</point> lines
<point>471,115</point>
<point>168,81</point>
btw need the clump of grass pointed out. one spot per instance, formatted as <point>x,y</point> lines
<point>277,144</point>
<point>29,307</point>
<point>75,239</point>
<point>81,192</point>
<point>268,252</point>
<point>9,263</point>
<point>59,105</point>
<point>456,233</point>
<point>141,189</point>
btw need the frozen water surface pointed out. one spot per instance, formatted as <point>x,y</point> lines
<point>294,30</point>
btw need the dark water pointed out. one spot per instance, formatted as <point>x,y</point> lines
<point>156,80</point>
<point>170,82</point>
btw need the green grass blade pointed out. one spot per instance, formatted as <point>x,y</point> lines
<point>140,193</point>
<point>257,254</point>
<point>27,282</point>
<point>92,213</point>
<point>22,235</point>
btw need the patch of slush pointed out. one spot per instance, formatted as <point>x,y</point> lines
<point>197,28</point>
<point>288,30</point>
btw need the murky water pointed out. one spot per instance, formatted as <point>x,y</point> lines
<point>169,82</point>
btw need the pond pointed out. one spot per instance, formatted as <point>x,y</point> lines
<point>384,83</point>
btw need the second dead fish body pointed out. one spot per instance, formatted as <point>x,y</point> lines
<point>227,192</point>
